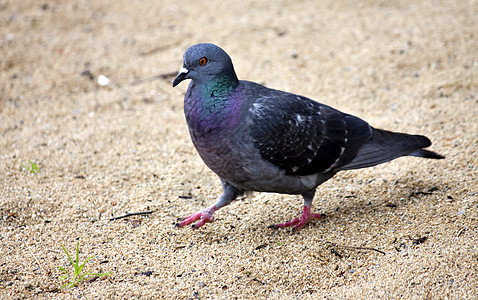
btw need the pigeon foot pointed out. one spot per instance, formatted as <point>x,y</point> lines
<point>300,221</point>
<point>203,216</point>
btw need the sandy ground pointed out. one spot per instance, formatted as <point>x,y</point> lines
<point>105,150</point>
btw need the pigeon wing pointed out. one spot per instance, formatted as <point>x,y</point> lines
<point>304,137</point>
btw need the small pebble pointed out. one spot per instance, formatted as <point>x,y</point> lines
<point>103,80</point>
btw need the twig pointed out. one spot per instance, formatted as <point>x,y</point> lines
<point>159,76</point>
<point>132,214</point>
<point>460,232</point>
<point>38,262</point>
<point>333,251</point>
<point>419,240</point>
<point>93,279</point>
<point>366,248</point>
<point>160,48</point>
<point>359,248</point>
<point>257,280</point>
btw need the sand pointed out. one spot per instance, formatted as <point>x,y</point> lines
<point>405,229</point>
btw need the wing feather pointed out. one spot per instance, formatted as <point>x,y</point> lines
<point>304,137</point>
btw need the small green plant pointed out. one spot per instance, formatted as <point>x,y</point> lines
<point>33,167</point>
<point>74,279</point>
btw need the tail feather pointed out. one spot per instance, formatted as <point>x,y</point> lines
<point>385,145</point>
<point>426,154</point>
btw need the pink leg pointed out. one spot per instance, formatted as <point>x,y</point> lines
<point>203,216</point>
<point>300,221</point>
<point>229,194</point>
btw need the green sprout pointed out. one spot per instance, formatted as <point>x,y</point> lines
<point>33,167</point>
<point>74,279</point>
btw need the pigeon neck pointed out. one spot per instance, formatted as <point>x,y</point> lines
<point>220,85</point>
<point>213,107</point>
<point>215,94</point>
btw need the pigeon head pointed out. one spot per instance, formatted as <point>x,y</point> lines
<point>203,63</point>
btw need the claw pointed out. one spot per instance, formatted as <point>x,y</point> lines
<point>203,216</point>
<point>300,221</point>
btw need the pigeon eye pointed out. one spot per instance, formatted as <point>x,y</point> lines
<point>203,61</point>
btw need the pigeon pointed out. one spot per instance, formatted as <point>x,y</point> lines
<point>258,139</point>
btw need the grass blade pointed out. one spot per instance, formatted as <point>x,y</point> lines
<point>77,277</point>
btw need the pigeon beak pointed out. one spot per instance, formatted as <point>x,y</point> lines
<point>181,76</point>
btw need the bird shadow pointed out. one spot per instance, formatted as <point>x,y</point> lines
<point>361,206</point>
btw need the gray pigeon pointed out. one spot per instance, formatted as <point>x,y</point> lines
<point>260,139</point>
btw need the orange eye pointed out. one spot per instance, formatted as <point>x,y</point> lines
<point>203,61</point>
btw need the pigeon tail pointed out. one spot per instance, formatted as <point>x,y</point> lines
<point>426,154</point>
<point>385,146</point>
